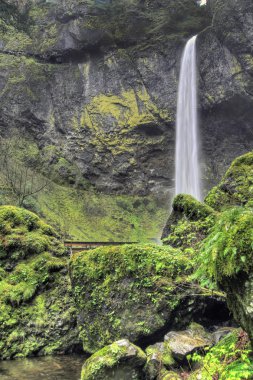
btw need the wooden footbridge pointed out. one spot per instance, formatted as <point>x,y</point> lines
<point>78,246</point>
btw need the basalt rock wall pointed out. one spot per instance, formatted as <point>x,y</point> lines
<point>104,100</point>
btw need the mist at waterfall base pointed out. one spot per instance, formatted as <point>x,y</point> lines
<point>187,139</point>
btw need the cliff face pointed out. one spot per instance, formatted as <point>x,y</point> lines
<point>99,94</point>
<point>226,84</point>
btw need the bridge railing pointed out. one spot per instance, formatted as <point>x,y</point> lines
<point>78,246</point>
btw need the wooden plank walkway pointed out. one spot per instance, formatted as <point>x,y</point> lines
<point>78,246</point>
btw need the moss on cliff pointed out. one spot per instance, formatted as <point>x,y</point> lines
<point>127,291</point>
<point>124,112</point>
<point>37,315</point>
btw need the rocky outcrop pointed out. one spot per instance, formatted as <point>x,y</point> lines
<point>123,360</point>
<point>225,54</point>
<point>132,290</point>
<point>105,93</point>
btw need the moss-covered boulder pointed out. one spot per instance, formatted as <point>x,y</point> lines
<point>188,223</point>
<point>227,258</point>
<point>120,360</point>
<point>236,187</point>
<point>37,315</point>
<point>126,291</point>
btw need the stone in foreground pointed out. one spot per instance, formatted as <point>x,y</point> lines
<point>120,360</point>
<point>158,357</point>
<point>183,343</point>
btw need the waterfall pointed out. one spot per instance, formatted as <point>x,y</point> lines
<point>187,140</point>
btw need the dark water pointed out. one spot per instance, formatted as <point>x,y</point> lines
<point>49,368</point>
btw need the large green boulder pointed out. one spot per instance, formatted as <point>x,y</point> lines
<point>236,187</point>
<point>126,291</point>
<point>120,360</point>
<point>37,315</point>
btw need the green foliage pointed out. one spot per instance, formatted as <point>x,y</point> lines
<point>236,187</point>
<point>24,281</point>
<point>230,359</point>
<point>133,283</point>
<point>228,248</point>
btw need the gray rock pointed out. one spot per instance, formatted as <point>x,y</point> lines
<point>159,357</point>
<point>220,333</point>
<point>183,343</point>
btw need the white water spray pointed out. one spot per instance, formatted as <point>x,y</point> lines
<point>187,140</point>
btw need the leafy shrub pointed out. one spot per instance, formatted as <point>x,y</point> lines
<point>228,249</point>
<point>230,359</point>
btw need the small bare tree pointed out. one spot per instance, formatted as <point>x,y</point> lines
<point>21,180</point>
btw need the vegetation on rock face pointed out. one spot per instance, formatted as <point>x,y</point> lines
<point>236,187</point>
<point>230,359</point>
<point>121,21</point>
<point>125,20</point>
<point>37,315</point>
<point>126,292</point>
<point>68,203</point>
<point>228,250</point>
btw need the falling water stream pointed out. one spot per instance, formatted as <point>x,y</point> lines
<point>187,139</point>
